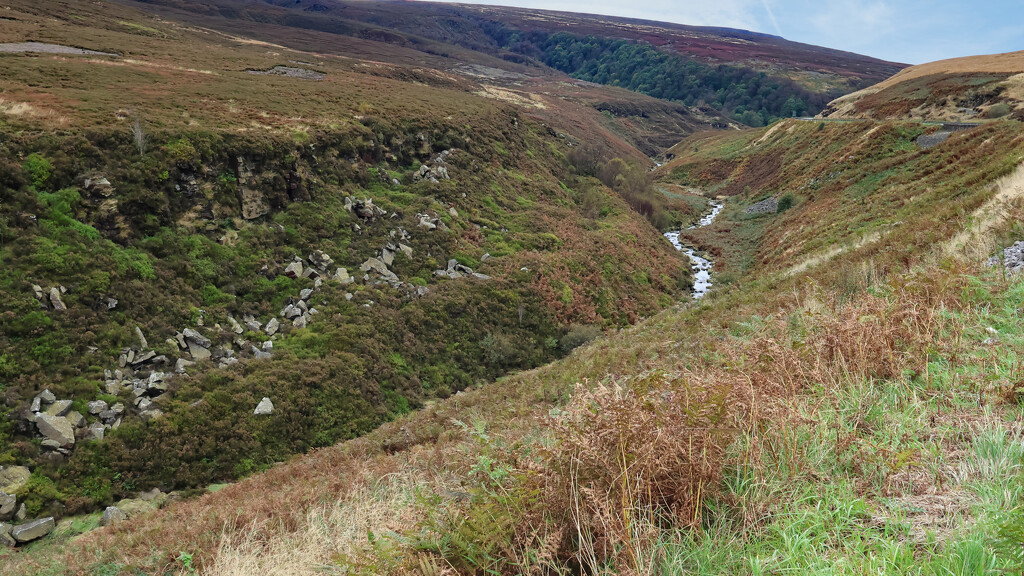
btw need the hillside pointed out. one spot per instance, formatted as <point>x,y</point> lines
<point>191,222</point>
<point>726,71</point>
<point>846,400</point>
<point>974,88</point>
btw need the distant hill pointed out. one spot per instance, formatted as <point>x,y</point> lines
<point>960,89</point>
<point>750,77</point>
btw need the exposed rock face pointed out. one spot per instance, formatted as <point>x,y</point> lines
<point>33,530</point>
<point>264,408</point>
<point>56,428</point>
<point>112,515</point>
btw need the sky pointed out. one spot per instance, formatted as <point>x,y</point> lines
<point>908,31</point>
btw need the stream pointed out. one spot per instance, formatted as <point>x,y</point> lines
<point>701,266</point>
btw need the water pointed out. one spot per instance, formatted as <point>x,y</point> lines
<point>701,266</point>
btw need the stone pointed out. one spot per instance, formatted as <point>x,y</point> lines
<point>191,335</point>
<point>8,505</point>
<point>111,303</point>
<point>97,406</point>
<point>5,536</point>
<point>56,301</point>
<point>293,270</point>
<point>299,322</point>
<point>387,256</point>
<point>76,418</point>
<point>22,513</point>
<point>253,325</point>
<point>260,354</point>
<point>33,530</point>
<point>268,345</point>
<point>342,277</point>
<point>453,212</point>
<point>117,409</point>
<point>141,338</point>
<point>51,444</point>
<point>254,204</point>
<point>321,260</point>
<point>198,352</point>
<point>143,403</point>
<point>290,311</point>
<point>36,405</point>
<point>112,515</point>
<point>56,428</point>
<point>154,495</point>
<point>182,364</point>
<point>406,249</point>
<point>143,357</point>
<point>13,478</point>
<point>150,415</point>
<point>47,397</point>
<point>235,326</point>
<point>59,408</point>
<point>264,407</point>
<point>37,290</point>
<point>95,431</point>
<point>306,293</point>
<point>272,327</point>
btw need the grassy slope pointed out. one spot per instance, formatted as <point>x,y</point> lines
<point>166,254</point>
<point>971,88</point>
<point>871,424</point>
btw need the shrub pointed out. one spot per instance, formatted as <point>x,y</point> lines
<point>630,455</point>
<point>785,203</point>
<point>38,168</point>
<point>998,110</point>
<point>578,335</point>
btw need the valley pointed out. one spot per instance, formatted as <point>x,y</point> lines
<point>414,288</point>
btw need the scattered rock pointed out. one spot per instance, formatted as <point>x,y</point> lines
<point>406,249</point>
<point>272,327</point>
<point>47,397</point>
<point>56,428</point>
<point>306,293</point>
<point>95,431</point>
<point>320,260</point>
<point>8,504</point>
<point>13,478</point>
<point>5,536</point>
<point>194,336</point>
<point>59,408</point>
<point>264,407</point>
<point>260,354</point>
<point>56,301</point>
<point>766,206</point>
<point>1012,258</point>
<point>33,530</point>
<point>342,277</point>
<point>141,338</point>
<point>235,326</point>
<point>112,515</point>
<point>293,270</point>
<point>75,418</point>
<point>182,364</point>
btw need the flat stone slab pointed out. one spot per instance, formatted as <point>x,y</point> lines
<point>44,48</point>
<point>33,530</point>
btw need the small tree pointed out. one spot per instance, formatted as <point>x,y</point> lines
<point>139,136</point>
